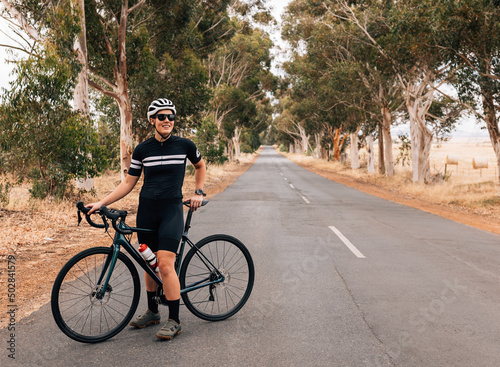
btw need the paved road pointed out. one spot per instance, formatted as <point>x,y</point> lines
<point>342,279</point>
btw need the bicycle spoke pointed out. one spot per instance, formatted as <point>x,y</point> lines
<point>230,270</point>
<point>77,305</point>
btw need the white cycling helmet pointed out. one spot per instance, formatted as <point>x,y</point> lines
<point>160,104</point>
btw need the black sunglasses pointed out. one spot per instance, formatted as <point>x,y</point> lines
<point>163,116</point>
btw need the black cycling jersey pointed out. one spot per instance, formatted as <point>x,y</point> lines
<point>164,165</point>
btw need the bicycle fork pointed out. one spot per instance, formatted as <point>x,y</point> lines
<point>109,266</point>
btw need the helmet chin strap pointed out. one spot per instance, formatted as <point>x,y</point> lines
<point>164,137</point>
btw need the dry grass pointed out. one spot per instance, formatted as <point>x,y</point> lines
<point>42,234</point>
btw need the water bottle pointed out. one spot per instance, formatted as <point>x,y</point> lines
<point>149,256</point>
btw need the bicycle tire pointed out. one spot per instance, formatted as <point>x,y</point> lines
<point>222,300</point>
<point>78,313</point>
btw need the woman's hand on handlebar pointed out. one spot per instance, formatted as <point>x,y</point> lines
<point>195,202</point>
<point>94,207</point>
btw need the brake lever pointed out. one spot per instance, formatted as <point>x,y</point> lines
<point>79,218</point>
<point>105,222</point>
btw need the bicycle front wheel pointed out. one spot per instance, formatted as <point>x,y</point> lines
<point>78,310</point>
<point>220,273</point>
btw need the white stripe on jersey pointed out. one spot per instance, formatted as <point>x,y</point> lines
<point>163,157</point>
<point>162,163</point>
<point>136,164</point>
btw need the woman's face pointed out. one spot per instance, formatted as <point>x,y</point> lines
<point>166,126</point>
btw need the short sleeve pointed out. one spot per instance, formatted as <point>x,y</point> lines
<point>193,153</point>
<point>136,164</point>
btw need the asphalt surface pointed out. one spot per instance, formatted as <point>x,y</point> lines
<point>342,279</point>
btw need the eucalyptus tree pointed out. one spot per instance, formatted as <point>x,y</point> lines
<point>422,70</point>
<point>473,44</point>
<point>240,78</point>
<point>130,43</point>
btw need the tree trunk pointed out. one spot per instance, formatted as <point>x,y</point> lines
<point>236,142</point>
<point>354,150</point>
<point>81,100</point>
<point>381,160</point>
<point>418,101</point>
<point>336,145</point>
<point>304,139</point>
<point>386,132</point>
<point>421,142</point>
<point>125,133</point>
<point>81,93</point>
<point>415,148</point>
<point>317,138</point>
<point>230,153</point>
<point>369,148</point>
<point>493,129</point>
<point>424,171</point>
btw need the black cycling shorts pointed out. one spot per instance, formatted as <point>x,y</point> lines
<point>166,217</point>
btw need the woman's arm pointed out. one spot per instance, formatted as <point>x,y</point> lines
<point>199,178</point>
<point>121,190</point>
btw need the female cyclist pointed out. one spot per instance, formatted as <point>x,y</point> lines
<point>163,160</point>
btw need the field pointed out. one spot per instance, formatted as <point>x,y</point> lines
<point>466,149</point>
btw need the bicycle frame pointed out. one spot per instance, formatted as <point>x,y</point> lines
<point>121,241</point>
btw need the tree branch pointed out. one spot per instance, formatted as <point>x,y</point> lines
<point>136,6</point>
<point>103,90</point>
<point>102,79</point>
<point>22,23</point>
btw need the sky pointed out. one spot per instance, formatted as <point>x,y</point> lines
<point>5,68</point>
<point>467,126</point>
<point>278,9</point>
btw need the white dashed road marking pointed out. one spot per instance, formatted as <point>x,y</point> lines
<point>293,188</point>
<point>348,243</point>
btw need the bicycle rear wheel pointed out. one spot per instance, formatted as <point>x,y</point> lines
<point>212,257</point>
<point>75,307</point>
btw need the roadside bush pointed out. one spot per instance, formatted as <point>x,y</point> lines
<point>5,193</point>
<point>208,143</point>
<point>250,141</point>
<point>404,156</point>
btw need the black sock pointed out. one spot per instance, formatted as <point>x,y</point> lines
<point>152,305</point>
<point>173,310</point>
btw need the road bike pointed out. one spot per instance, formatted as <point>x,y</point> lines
<point>97,292</point>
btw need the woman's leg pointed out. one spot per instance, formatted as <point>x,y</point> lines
<point>171,284</point>
<point>151,285</point>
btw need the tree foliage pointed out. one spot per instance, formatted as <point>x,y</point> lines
<point>42,137</point>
